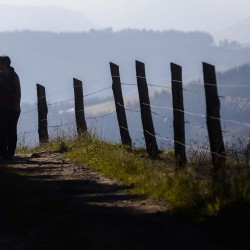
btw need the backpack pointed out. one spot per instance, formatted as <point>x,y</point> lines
<point>5,83</point>
<point>7,100</point>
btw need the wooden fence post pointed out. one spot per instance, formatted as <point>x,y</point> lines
<point>146,116</point>
<point>119,104</point>
<point>178,114</point>
<point>79,107</point>
<point>213,120</point>
<point>42,114</point>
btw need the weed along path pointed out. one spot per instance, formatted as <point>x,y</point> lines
<point>48,202</point>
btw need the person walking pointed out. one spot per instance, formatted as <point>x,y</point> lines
<point>10,97</point>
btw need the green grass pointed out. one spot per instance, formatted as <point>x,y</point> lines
<point>217,206</point>
<point>182,189</point>
<point>155,178</point>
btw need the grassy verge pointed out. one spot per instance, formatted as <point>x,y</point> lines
<point>222,208</point>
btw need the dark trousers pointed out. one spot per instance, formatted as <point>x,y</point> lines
<point>8,132</point>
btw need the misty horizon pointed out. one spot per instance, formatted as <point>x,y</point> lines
<point>21,17</point>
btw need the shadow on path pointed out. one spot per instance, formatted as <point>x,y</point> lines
<point>44,207</point>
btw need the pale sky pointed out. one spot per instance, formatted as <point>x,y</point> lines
<point>212,16</point>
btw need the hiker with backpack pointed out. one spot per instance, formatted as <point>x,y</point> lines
<point>10,96</point>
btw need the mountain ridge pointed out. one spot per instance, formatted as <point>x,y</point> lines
<point>54,59</point>
<point>101,118</point>
<point>43,18</point>
<point>236,32</point>
<point>61,19</point>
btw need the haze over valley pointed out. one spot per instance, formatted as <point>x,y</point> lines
<point>234,92</point>
<point>52,44</point>
<point>54,59</point>
<point>162,165</point>
<point>224,20</point>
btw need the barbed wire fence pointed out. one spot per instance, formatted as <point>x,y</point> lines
<point>64,124</point>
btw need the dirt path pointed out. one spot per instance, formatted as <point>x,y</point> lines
<point>77,208</point>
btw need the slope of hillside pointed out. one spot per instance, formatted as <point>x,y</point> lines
<point>54,59</point>
<point>101,118</point>
<point>237,32</point>
<point>42,19</point>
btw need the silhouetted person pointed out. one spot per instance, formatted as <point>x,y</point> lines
<point>10,96</point>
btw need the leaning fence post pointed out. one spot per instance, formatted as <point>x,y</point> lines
<point>119,104</point>
<point>79,107</point>
<point>146,116</point>
<point>42,114</point>
<point>213,119</point>
<point>178,114</point>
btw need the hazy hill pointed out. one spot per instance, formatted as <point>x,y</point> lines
<point>42,19</point>
<point>237,32</point>
<point>234,91</point>
<point>53,59</point>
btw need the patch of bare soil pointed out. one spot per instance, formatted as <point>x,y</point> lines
<point>85,210</point>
